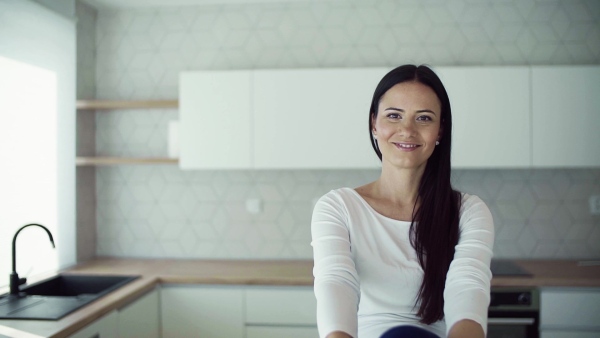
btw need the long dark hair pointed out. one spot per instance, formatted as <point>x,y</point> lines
<point>434,228</point>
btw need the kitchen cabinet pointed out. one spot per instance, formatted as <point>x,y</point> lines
<point>566,116</point>
<point>317,118</point>
<point>278,332</point>
<point>140,318</point>
<point>570,312</point>
<point>283,311</point>
<point>105,327</point>
<point>490,113</point>
<point>137,319</point>
<point>202,311</point>
<point>215,120</point>
<point>314,118</point>
<point>277,119</point>
<point>230,311</point>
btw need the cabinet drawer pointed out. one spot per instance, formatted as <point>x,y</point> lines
<point>570,308</point>
<point>569,334</point>
<point>285,305</point>
<point>278,332</point>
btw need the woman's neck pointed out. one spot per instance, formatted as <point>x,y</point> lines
<point>400,186</point>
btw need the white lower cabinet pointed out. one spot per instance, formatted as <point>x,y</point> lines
<point>238,311</point>
<point>285,311</point>
<point>569,334</point>
<point>213,311</point>
<point>105,327</point>
<point>141,318</point>
<point>137,319</point>
<point>279,332</point>
<point>202,311</point>
<point>570,312</point>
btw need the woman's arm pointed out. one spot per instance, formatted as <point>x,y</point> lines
<point>336,280</point>
<point>466,328</point>
<point>468,282</point>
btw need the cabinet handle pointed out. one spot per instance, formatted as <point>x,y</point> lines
<point>511,321</point>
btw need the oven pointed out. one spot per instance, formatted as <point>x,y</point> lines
<point>514,313</point>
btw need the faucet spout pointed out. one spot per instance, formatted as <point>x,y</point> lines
<point>15,281</point>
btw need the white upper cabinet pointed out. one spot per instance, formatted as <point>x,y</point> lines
<point>566,116</point>
<point>503,117</point>
<point>215,120</point>
<point>314,118</point>
<point>491,116</point>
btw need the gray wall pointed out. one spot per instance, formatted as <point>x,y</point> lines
<point>160,211</point>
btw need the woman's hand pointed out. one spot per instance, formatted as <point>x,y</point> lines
<point>466,328</point>
<point>339,334</point>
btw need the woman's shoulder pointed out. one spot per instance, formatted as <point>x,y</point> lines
<point>469,201</point>
<point>473,208</point>
<point>339,195</point>
<point>341,198</point>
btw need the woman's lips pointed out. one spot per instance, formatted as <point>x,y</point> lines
<point>406,146</point>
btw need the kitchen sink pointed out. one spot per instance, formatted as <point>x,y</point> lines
<point>54,298</point>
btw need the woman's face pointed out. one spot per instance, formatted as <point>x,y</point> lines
<point>407,125</point>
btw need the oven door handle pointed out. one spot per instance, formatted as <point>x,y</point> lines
<point>511,321</point>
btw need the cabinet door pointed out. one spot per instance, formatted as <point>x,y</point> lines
<point>570,309</point>
<point>281,306</point>
<point>105,327</point>
<point>490,116</point>
<point>569,334</point>
<point>314,118</point>
<point>215,122</point>
<point>202,311</point>
<point>566,116</point>
<point>279,332</point>
<point>141,318</point>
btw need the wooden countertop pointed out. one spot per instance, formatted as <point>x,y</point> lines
<point>153,272</point>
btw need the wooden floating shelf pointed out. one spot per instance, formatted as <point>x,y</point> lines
<point>125,104</point>
<point>100,161</point>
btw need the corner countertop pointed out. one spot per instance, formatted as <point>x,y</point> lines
<point>545,273</point>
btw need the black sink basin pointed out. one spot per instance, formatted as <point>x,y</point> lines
<point>76,285</point>
<point>54,298</point>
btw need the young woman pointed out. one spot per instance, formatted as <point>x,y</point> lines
<point>405,253</point>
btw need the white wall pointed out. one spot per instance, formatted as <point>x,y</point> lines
<point>38,178</point>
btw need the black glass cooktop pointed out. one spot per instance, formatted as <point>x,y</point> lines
<point>507,268</point>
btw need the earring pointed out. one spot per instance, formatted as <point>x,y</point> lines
<point>437,143</point>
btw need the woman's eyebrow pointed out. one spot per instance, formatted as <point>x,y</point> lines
<point>418,111</point>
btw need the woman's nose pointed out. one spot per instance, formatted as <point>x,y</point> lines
<point>407,127</point>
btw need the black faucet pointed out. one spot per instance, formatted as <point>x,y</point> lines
<point>15,281</point>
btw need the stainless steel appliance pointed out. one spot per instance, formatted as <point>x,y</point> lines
<point>514,311</point>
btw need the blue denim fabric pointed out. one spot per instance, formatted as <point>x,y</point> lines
<point>408,332</point>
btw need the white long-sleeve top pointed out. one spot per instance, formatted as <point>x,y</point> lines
<point>367,274</point>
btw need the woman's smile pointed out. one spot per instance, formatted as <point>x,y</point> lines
<point>406,146</point>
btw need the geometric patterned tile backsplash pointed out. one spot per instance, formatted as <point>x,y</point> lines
<point>161,211</point>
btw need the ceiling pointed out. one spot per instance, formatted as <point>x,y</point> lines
<point>116,4</point>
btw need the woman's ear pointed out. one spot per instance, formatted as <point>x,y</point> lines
<point>373,130</point>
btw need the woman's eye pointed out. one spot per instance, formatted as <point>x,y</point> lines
<point>393,116</point>
<point>424,118</point>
